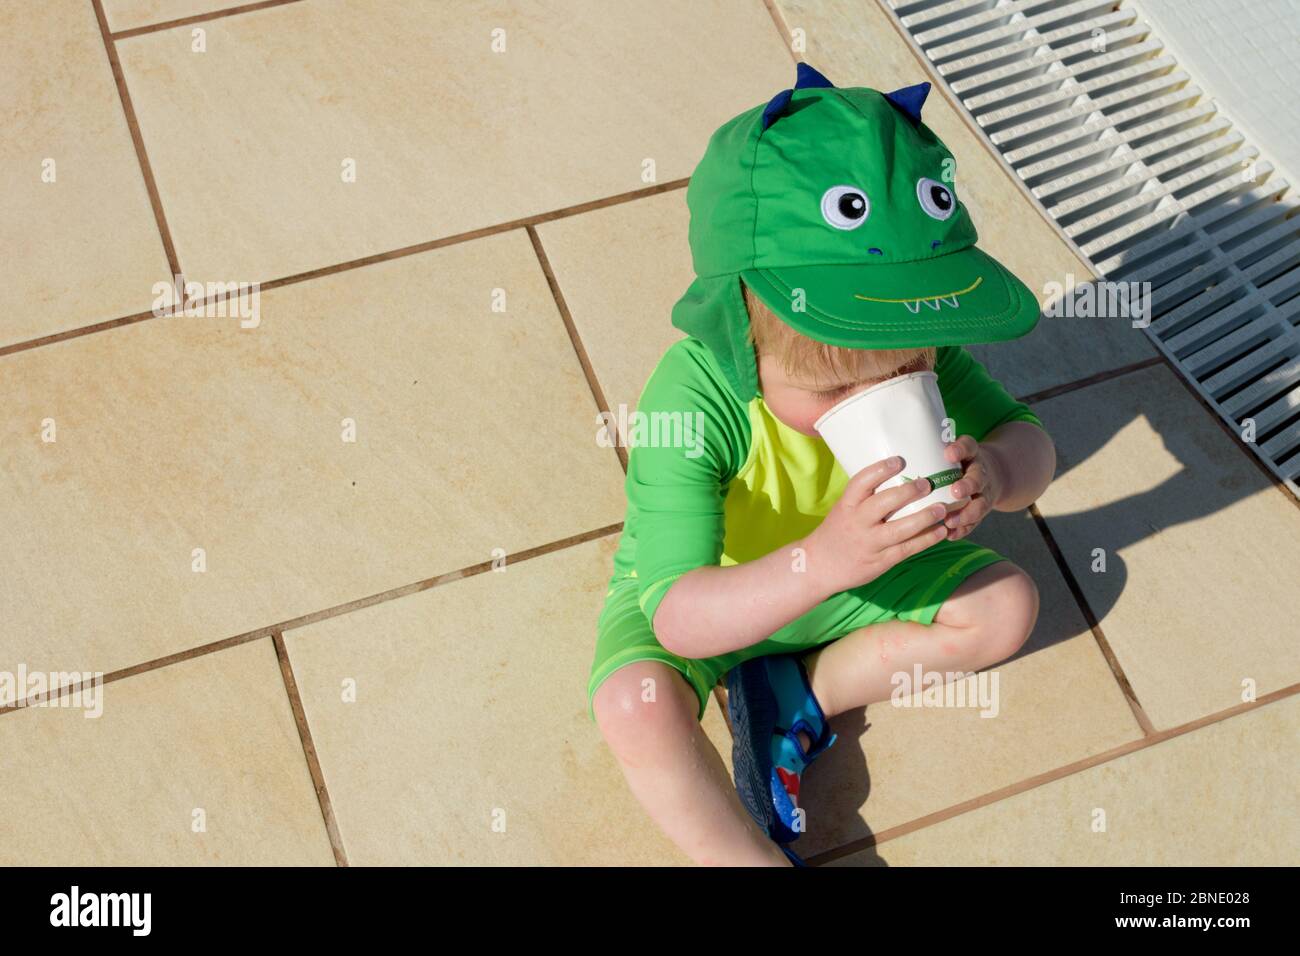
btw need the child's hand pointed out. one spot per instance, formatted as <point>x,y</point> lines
<point>982,481</point>
<point>854,544</point>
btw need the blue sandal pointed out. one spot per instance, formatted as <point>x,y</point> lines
<point>770,700</point>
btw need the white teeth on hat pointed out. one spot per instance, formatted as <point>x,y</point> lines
<point>915,305</point>
<point>931,301</point>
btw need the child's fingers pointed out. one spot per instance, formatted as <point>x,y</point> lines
<point>914,545</point>
<point>904,528</point>
<point>962,532</point>
<point>972,483</point>
<point>962,449</point>
<point>950,519</point>
<point>968,517</point>
<point>861,485</point>
<point>886,502</point>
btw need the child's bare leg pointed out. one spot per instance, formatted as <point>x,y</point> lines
<point>673,769</point>
<point>984,621</point>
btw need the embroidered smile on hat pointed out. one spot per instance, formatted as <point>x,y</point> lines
<point>838,208</point>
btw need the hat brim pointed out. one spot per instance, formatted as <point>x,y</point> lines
<point>960,298</point>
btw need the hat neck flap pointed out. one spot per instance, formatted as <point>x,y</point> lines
<point>713,311</point>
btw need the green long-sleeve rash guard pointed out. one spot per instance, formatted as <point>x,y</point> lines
<point>711,481</point>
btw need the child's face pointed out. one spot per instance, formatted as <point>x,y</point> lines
<point>798,403</point>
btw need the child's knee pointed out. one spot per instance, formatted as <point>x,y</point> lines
<point>643,704</point>
<point>998,608</point>
<point>1012,613</point>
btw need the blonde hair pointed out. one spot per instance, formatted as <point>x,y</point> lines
<point>816,362</point>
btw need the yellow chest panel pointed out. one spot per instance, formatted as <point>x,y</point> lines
<point>786,486</point>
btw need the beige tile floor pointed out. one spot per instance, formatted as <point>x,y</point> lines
<point>337,83</point>
<point>426,708</point>
<point>468,740</point>
<point>1212,797</point>
<point>183,434</point>
<point>197,763</point>
<point>78,233</point>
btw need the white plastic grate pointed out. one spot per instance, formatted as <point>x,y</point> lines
<point>1147,181</point>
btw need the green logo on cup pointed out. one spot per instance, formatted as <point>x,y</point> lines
<point>939,478</point>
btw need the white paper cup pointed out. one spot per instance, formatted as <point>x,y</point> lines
<point>903,416</point>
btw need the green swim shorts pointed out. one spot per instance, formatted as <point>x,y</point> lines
<point>912,590</point>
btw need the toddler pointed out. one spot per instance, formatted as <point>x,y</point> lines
<point>831,253</point>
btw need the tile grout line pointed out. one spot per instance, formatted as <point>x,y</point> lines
<point>720,698</point>
<point>1112,660</point>
<point>1094,379</point>
<point>137,138</point>
<point>400,253</point>
<point>1162,360</point>
<point>309,750</point>
<point>783,28</point>
<point>1047,777</point>
<point>76,333</point>
<point>593,383</point>
<point>315,617</point>
<point>1076,591</point>
<point>199,18</point>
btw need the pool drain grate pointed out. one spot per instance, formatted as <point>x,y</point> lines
<point>1147,181</point>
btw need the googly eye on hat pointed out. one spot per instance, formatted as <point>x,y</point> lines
<point>839,209</point>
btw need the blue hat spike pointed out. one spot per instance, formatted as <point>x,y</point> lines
<point>774,108</point>
<point>908,101</point>
<point>806,78</point>
<point>810,79</point>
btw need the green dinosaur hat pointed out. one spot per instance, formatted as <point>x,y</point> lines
<point>837,208</point>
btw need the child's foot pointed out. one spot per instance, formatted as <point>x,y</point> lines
<point>778,730</point>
